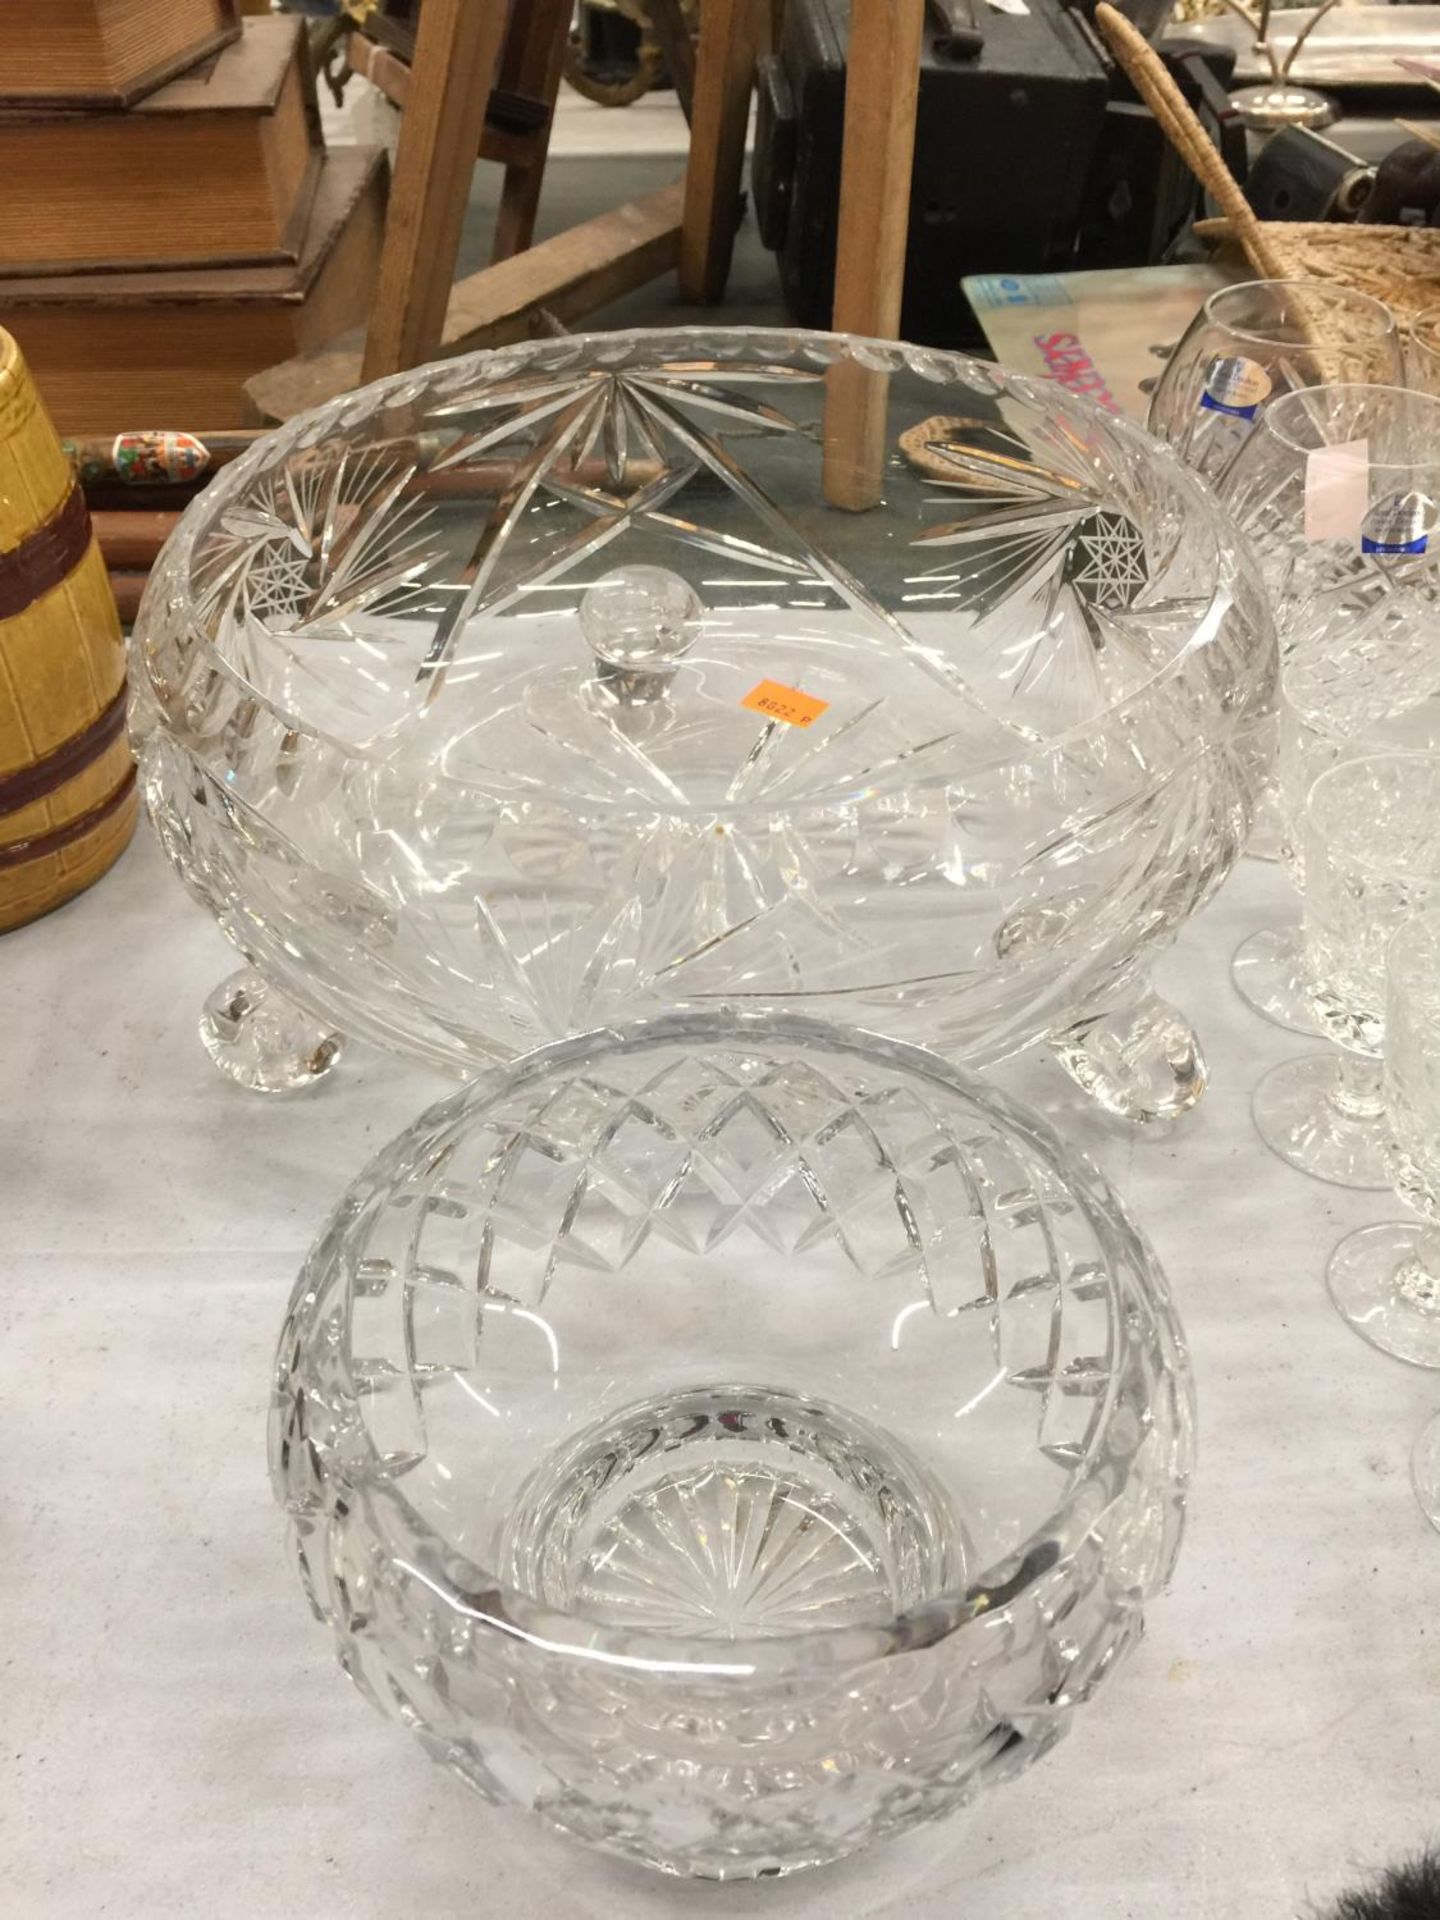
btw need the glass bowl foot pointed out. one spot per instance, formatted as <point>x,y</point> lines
<point>1268,973</point>
<point>261,1040</point>
<point>1384,1282</point>
<point>1425,1470</point>
<point>1141,1061</point>
<point>1321,1114</point>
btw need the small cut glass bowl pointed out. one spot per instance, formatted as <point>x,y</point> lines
<point>735,1440</point>
<point>547,688</point>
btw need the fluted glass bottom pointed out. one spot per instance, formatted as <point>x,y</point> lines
<point>1385,1281</point>
<point>1268,972</point>
<point>1322,1114</point>
<point>733,1513</point>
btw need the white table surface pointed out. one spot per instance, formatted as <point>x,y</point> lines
<point>175,1738</point>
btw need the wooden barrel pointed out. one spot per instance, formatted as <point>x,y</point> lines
<point>67,783</point>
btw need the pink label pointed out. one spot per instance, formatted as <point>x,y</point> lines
<point>1337,490</point>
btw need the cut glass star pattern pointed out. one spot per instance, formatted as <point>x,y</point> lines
<point>393,774</point>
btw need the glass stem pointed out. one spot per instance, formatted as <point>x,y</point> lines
<point>1417,1278</point>
<point>1359,1089</point>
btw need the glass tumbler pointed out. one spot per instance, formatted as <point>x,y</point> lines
<point>1354,622</point>
<point>1385,1279</point>
<point>1252,343</point>
<point>1371,847</point>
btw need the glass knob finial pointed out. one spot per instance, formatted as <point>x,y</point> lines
<point>640,622</point>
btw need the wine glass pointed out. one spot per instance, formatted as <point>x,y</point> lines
<point>1422,350</point>
<point>1249,345</point>
<point>1371,847</point>
<point>1385,1279</point>
<point>1354,623</point>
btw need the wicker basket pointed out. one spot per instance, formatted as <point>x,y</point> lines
<point>1399,265</point>
<point>67,783</point>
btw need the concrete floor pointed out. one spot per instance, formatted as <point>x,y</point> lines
<point>598,157</point>
<point>576,188</point>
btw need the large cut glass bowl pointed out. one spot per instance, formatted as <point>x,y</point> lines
<point>734,1439</point>
<point>543,688</point>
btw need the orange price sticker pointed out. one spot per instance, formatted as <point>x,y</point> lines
<point>796,709</point>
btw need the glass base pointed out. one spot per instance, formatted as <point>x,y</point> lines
<point>1269,977</point>
<point>1425,1471</point>
<point>1140,1061</point>
<point>261,1040</point>
<point>732,1513</point>
<point>1306,1112</point>
<point>1383,1281</point>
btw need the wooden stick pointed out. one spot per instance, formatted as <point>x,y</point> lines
<point>882,82</point>
<point>724,74</point>
<point>538,61</point>
<point>131,537</point>
<point>667,17</point>
<point>153,459</point>
<point>456,56</point>
<point>488,479</point>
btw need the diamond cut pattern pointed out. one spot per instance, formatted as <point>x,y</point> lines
<point>694,1160</point>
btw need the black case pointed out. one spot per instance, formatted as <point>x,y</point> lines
<point>1003,148</point>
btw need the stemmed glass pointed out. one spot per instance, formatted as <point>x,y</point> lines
<point>1385,1279</point>
<point>1324,718</point>
<point>1252,343</point>
<point>1422,350</point>
<point>1371,847</point>
<point>1354,621</point>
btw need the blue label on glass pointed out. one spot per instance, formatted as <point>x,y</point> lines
<point>1400,523</point>
<point>1235,386</point>
<point>1367,545</point>
<point>1212,405</point>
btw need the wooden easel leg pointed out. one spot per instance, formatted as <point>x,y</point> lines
<point>724,75</point>
<point>536,71</point>
<point>882,81</point>
<point>673,34</point>
<point>457,54</point>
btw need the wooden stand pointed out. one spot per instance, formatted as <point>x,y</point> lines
<point>461,53</point>
<point>881,85</point>
<point>724,74</point>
